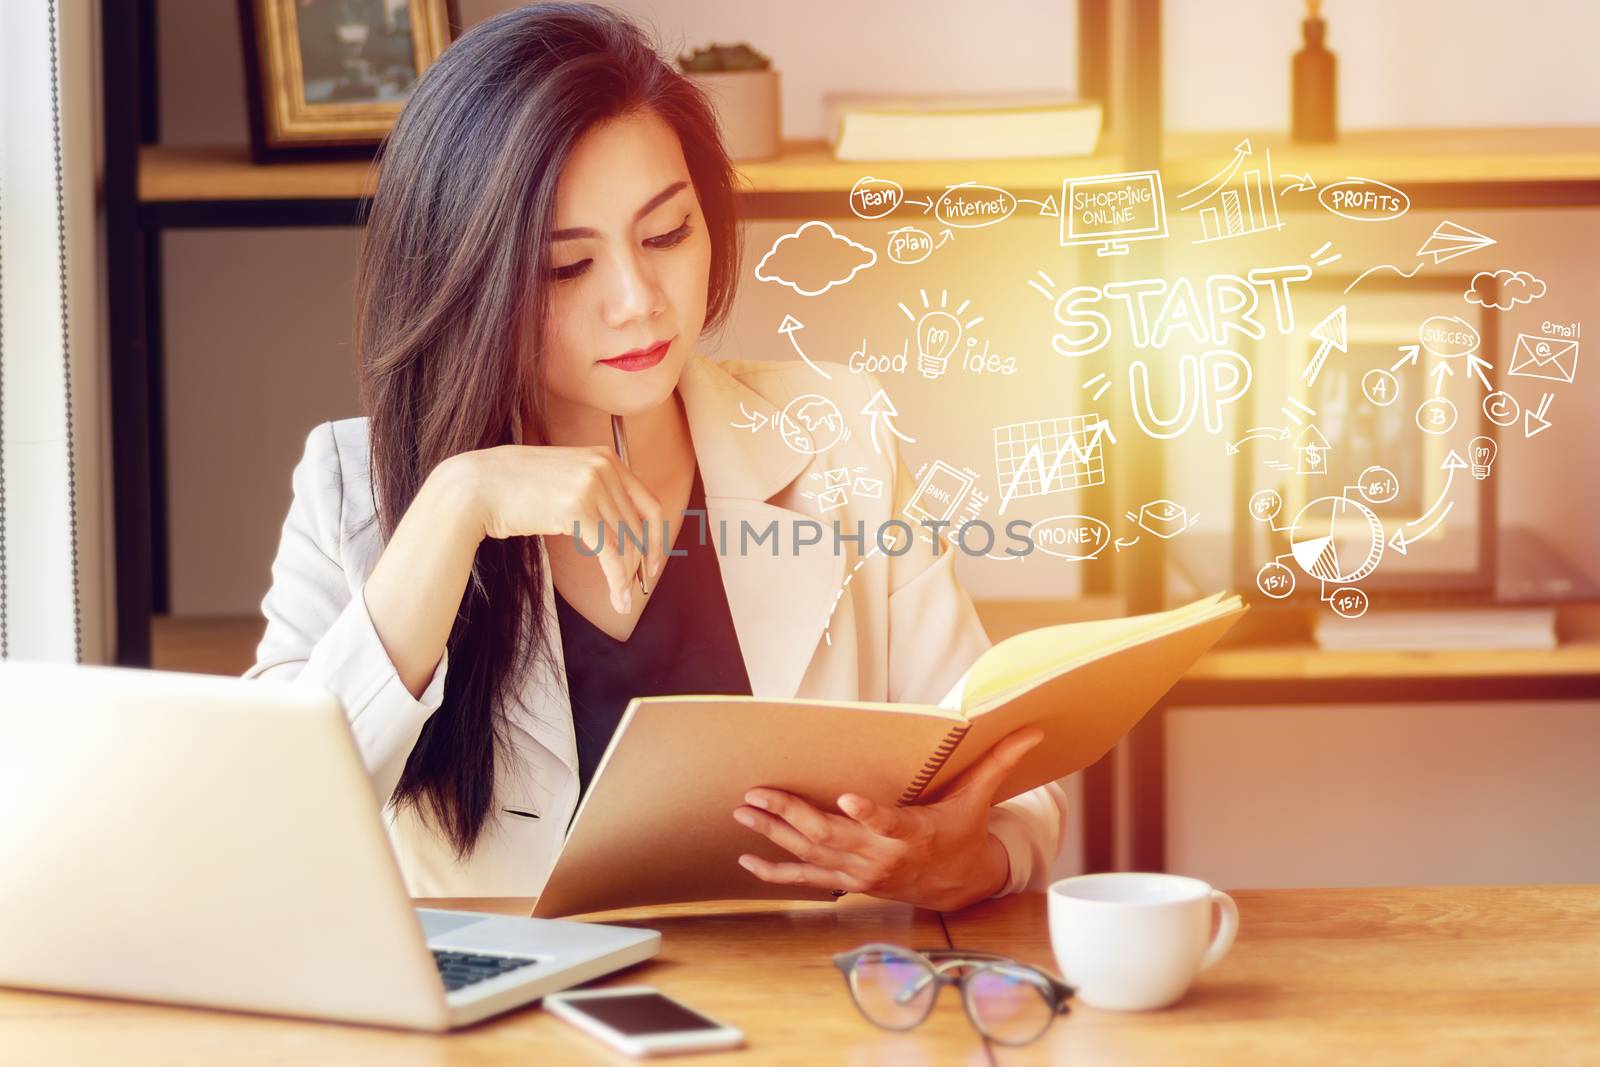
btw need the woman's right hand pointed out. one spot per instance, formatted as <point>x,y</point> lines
<point>528,490</point>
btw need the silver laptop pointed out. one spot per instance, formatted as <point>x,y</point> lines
<point>215,841</point>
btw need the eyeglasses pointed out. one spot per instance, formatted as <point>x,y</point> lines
<point>1006,1001</point>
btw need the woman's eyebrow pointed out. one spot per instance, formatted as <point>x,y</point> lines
<point>573,232</point>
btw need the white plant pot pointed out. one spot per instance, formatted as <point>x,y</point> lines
<point>748,107</point>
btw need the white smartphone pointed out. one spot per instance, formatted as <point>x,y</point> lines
<point>641,1021</point>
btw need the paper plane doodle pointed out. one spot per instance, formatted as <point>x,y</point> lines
<point>1450,239</point>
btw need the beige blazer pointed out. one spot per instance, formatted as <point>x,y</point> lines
<point>851,624</point>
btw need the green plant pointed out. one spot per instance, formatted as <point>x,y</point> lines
<point>723,57</point>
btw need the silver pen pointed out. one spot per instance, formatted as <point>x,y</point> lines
<point>619,442</point>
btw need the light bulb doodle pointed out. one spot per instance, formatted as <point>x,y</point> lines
<point>1481,451</point>
<point>939,332</point>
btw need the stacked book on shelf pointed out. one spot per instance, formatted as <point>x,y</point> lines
<point>865,126</point>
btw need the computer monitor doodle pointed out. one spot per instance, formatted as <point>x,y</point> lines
<point>1112,209</point>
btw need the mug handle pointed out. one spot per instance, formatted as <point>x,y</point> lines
<point>1225,932</point>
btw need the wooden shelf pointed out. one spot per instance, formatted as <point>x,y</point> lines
<point>1405,157</point>
<point>1402,157</point>
<point>226,645</point>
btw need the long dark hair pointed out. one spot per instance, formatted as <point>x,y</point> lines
<point>450,314</point>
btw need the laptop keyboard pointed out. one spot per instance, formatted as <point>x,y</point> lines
<point>461,969</point>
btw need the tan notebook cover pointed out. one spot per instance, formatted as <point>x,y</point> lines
<point>657,825</point>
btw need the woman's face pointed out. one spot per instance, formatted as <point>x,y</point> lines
<point>629,263</point>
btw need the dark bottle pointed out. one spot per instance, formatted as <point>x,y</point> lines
<point>1316,83</point>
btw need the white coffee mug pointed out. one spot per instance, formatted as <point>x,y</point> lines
<point>1132,941</point>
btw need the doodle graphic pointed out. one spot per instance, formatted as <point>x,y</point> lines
<point>1275,580</point>
<point>834,492</point>
<point>970,206</point>
<point>1163,518</point>
<point>1380,387</point>
<point>873,198</point>
<point>1207,383</point>
<point>1481,450</point>
<point>1429,520</point>
<point>814,259</point>
<point>1336,540</point>
<point>939,333</point>
<point>1534,421</point>
<point>1297,411</point>
<point>1448,240</point>
<point>1331,332</point>
<point>1378,485</point>
<point>810,423</point>
<point>1503,289</point>
<point>1447,337</point>
<point>1297,183</point>
<point>1075,538</point>
<point>1258,433</point>
<point>1265,505</point>
<point>1228,216</point>
<point>1321,258</point>
<point>881,410</point>
<point>1364,200</point>
<point>1546,358</point>
<point>1154,309</point>
<point>1501,408</point>
<point>940,490</point>
<point>1436,415</point>
<point>1049,456</point>
<point>1100,381</point>
<point>1112,209</point>
<point>788,327</point>
<point>1311,452</point>
<point>910,244</point>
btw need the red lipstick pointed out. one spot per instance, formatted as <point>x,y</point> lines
<point>639,358</point>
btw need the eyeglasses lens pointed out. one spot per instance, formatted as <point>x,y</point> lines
<point>893,991</point>
<point>1007,1005</point>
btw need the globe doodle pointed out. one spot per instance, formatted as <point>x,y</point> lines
<point>811,423</point>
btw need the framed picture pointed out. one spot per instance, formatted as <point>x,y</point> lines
<point>1377,443</point>
<point>327,78</point>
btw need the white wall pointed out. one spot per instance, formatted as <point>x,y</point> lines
<point>57,545</point>
<point>1401,62</point>
<point>1385,794</point>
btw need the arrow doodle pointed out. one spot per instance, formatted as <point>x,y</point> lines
<point>788,327</point>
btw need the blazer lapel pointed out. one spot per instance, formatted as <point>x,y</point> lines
<point>546,713</point>
<point>779,597</point>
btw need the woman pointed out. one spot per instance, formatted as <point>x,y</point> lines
<point>552,232</point>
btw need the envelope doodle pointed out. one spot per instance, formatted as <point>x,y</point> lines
<point>1548,358</point>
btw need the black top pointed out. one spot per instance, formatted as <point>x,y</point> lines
<point>683,642</point>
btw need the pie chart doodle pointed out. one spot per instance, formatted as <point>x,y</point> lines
<point>1336,540</point>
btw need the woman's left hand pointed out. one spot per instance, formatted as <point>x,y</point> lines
<point>940,855</point>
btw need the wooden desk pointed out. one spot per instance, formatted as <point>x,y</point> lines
<point>1407,976</point>
<point>763,967</point>
<point>1415,976</point>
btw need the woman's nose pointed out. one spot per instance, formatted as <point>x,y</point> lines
<point>632,292</point>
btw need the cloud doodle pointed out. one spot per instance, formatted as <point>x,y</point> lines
<point>814,259</point>
<point>1508,289</point>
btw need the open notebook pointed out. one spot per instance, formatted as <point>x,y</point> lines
<point>657,822</point>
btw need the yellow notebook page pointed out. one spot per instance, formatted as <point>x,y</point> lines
<point>1028,658</point>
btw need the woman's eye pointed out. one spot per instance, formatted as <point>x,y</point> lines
<point>667,240</point>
